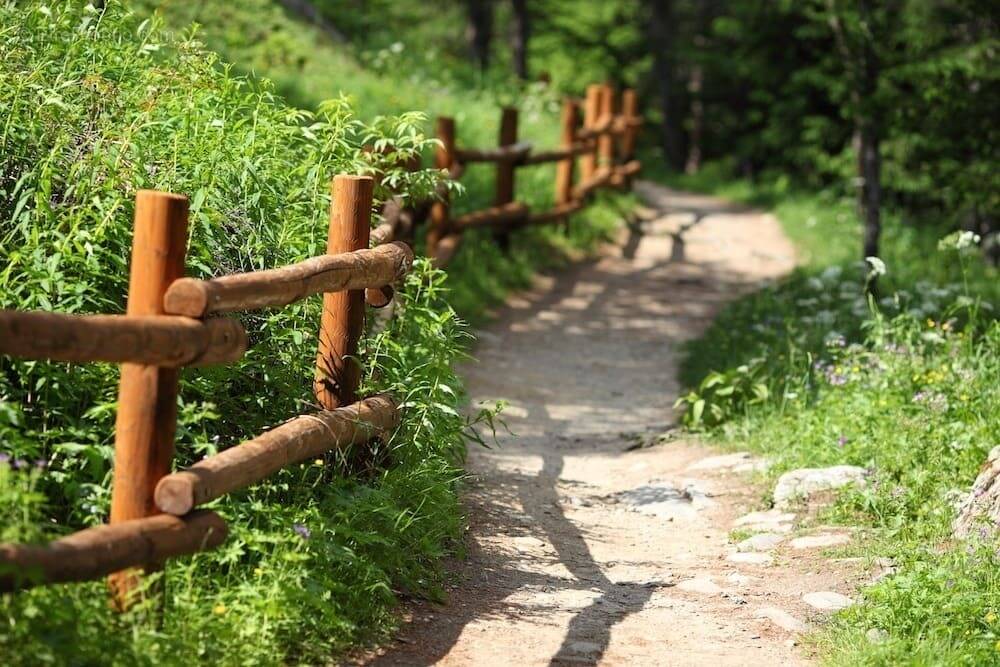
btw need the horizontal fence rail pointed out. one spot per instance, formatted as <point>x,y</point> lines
<point>603,143</point>
<point>157,341</point>
<point>154,510</point>
<point>360,269</point>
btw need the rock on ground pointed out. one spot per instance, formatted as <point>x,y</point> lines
<point>804,482</point>
<point>980,510</point>
<point>827,600</point>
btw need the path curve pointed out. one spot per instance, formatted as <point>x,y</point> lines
<point>583,549</point>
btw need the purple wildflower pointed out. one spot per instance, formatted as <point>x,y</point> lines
<point>842,440</point>
<point>41,464</point>
<point>302,531</point>
<point>4,458</point>
<point>19,463</point>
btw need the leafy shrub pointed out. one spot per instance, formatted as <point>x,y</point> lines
<point>95,106</point>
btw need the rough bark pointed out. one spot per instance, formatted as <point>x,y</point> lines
<point>167,341</point>
<point>480,30</point>
<point>361,269</point>
<point>96,552</point>
<point>520,34</point>
<point>300,439</point>
<point>660,30</point>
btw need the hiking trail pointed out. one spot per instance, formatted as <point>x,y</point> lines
<point>586,546</point>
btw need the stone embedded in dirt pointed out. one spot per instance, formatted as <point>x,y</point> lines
<point>769,517</point>
<point>819,541</point>
<point>827,600</point>
<point>761,542</point>
<point>782,619</point>
<point>720,462</point>
<point>703,585</point>
<point>804,482</point>
<point>876,635</point>
<point>750,558</point>
<point>664,500</point>
<point>979,512</point>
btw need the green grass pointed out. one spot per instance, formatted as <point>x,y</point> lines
<point>264,41</point>
<point>809,373</point>
<point>96,106</point>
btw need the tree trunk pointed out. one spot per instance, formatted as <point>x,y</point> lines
<point>869,155</point>
<point>519,37</point>
<point>480,30</point>
<point>660,30</point>
<point>693,164</point>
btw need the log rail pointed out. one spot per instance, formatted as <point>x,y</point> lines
<point>154,515</point>
<point>603,144</point>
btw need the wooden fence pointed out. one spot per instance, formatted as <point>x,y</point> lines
<point>603,143</point>
<point>172,322</point>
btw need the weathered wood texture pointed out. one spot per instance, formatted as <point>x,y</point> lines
<point>585,187</point>
<point>157,341</point>
<point>353,270</point>
<point>445,250</point>
<point>444,158</point>
<point>147,394</point>
<point>506,170</point>
<point>606,142</point>
<point>494,216</point>
<point>591,116</point>
<point>302,438</point>
<point>516,153</point>
<point>96,552</point>
<point>630,113</point>
<point>338,372</point>
<point>623,173</point>
<point>558,154</point>
<point>564,170</point>
<point>558,212</point>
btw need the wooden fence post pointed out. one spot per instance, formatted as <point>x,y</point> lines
<point>564,168</point>
<point>505,169</point>
<point>147,395</point>
<point>444,158</point>
<point>591,113</point>
<point>337,372</point>
<point>630,111</point>
<point>606,142</point>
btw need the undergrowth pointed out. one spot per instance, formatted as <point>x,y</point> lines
<point>810,372</point>
<point>94,106</point>
<point>263,41</point>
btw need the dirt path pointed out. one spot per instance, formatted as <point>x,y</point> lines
<point>582,550</point>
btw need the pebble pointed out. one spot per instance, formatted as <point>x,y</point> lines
<point>804,482</point>
<point>818,541</point>
<point>768,517</point>
<point>827,600</point>
<point>761,542</point>
<point>782,619</point>
<point>750,558</point>
<point>702,585</point>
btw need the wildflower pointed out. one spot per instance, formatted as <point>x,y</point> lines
<point>318,462</point>
<point>219,609</point>
<point>302,531</point>
<point>991,617</point>
<point>842,440</point>
<point>41,464</point>
<point>878,267</point>
<point>4,458</point>
<point>257,571</point>
<point>931,323</point>
<point>19,464</point>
